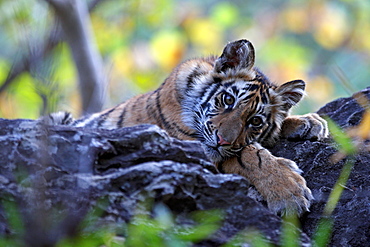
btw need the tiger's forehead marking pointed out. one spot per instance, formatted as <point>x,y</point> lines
<point>239,86</point>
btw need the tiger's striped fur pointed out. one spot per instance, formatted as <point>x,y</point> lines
<point>232,109</point>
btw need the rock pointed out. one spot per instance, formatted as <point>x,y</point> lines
<point>346,112</point>
<point>54,176</point>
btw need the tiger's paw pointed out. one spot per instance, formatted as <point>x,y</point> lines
<point>306,127</point>
<point>278,180</point>
<point>286,191</point>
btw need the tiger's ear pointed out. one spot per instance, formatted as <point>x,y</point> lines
<point>291,93</point>
<point>236,55</point>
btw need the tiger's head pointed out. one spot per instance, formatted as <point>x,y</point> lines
<point>230,104</point>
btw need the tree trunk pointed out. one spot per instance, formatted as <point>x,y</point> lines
<point>74,18</point>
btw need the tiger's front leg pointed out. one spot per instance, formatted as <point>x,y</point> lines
<point>277,179</point>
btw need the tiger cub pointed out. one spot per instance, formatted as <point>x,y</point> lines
<point>234,111</point>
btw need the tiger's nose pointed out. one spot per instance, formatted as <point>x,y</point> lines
<point>222,141</point>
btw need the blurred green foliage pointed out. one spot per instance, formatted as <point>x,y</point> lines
<point>322,42</point>
<point>163,230</point>
<point>157,227</point>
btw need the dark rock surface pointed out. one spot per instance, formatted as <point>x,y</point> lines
<point>55,175</point>
<point>352,214</point>
<point>346,112</point>
<point>53,172</point>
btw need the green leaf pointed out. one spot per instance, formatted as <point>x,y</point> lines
<point>290,231</point>
<point>322,235</point>
<point>338,187</point>
<point>341,138</point>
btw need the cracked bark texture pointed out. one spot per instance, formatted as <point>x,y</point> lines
<point>56,174</point>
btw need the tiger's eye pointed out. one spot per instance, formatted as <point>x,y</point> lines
<point>228,99</point>
<point>256,121</point>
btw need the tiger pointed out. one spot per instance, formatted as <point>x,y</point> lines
<point>234,111</point>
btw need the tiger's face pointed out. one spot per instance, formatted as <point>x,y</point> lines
<point>235,117</point>
<point>232,104</point>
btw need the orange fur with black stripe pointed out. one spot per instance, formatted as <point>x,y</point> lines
<point>233,110</point>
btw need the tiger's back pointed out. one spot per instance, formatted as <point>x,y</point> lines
<point>162,107</point>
